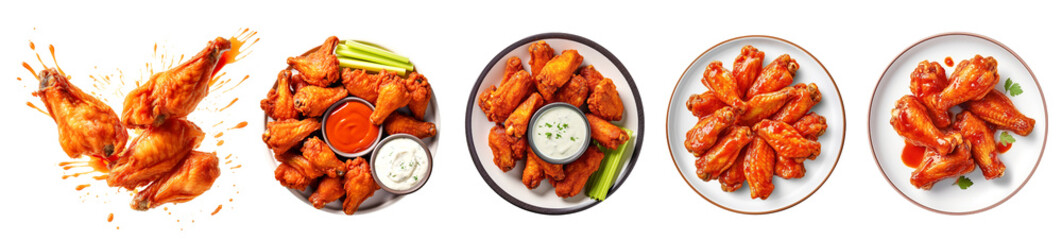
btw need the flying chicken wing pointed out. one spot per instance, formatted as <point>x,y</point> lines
<point>194,177</point>
<point>174,93</point>
<point>155,153</point>
<point>87,126</point>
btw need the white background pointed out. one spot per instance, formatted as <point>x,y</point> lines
<point>451,43</point>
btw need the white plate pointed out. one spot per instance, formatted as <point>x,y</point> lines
<point>1021,159</point>
<point>787,192</point>
<point>508,185</point>
<point>380,198</point>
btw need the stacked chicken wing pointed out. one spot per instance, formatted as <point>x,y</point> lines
<point>954,146</point>
<point>553,78</point>
<point>753,123</point>
<point>301,98</point>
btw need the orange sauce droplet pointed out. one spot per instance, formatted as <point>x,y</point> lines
<point>230,104</point>
<point>32,46</point>
<point>948,61</point>
<point>219,134</point>
<point>110,217</point>
<point>28,67</point>
<point>37,108</point>
<point>912,155</point>
<point>82,186</point>
<point>216,210</point>
<point>54,61</point>
<point>237,166</point>
<point>18,78</point>
<point>1002,148</point>
<point>239,125</point>
<point>100,177</point>
<point>228,156</point>
<point>230,199</point>
<point>220,142</point>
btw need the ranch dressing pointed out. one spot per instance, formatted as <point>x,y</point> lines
<point>559,132</point>
<point>401,164</point>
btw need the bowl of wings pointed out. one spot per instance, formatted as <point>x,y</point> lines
<point>962,135</point>
<point>538,70</point>
<point>294,107</point>
<point>755,125</point>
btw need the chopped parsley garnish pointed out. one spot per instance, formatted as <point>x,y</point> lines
<point>1005,138</point>
<point>549,134</point>
<point>964,182</point>
<point>573,139</point>
<point>415,178</point>
<point>1012,87</point>
<point>549,125</point>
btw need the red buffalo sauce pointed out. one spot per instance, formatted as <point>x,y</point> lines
<point>1002,148</point>
<point>349,129</point>
<point>912,155</point>
<point>949,62</point>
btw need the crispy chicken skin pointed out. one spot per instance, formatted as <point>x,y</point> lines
<point>393,95</point>
<point>498,102</point>
<point>759,168</point>
<point>284,134</point>
<point>704,104</point>
<point>279,104</point>
<point>703,136</point>
<point>358,184</point>
<point>786,140</point>
<point>401,123</point>
<point>556,72</point>
<point>540,53</point>
<point>910,120</point>
<point>765,105</point>
<point>533,173</point>
<point>155,153</point>
<point>503,146</point>
<point>982,141</point>
<point>321,157</point>
<point>811,126</point>
<point>577,173</point>
<point>554,172</point>
<point>313,101</point>
<point>971,80</point>
<point>723,83</point>
<point>591,74</point>
<point>747,66</point>
<point>195,176</point>
<point>299,163</point>
<point>319,68</point>
<point>732,178</point>
<point>927,80</point>
<point>608,135</point>
<point>173,93</point>
<point>419,93</point>
<point>936,166</point>
<point>605,101</point>
<point>997,109</point>
<point>805,96</point>
<point>512,66</point>
<point>364,85</point>
<point>575,92</point>
<point>87,126</point>
<point>289,174</point>
<point>328,190</point>
<point>789,168</point>
<point>777,75</point>
<point>516,124</point>
<point>722,155</point>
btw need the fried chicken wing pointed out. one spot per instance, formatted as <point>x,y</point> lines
<point>364,85</point>
<point>703,136</point>
<point>777,75</point>
<point>759,168</point>
<point>501,144</point>
<point>87,126</point>
<point>732,178</point>
<point>765,105</point>
<point>789,168</point>
<point>322,157</point>
<point>512,66</point>
<point>605,101</point>
<point>721,156</point>
<point>358,184</point>
<point>516,124</point>
<point>155,153</point>
<point>279,104</point>
<point>328,190</point>
<point>723,83</point>
<point>704,104</point>
<point>591,74</point>
<point>936,166</point>
<point>747,66</point>
<point>982,141</point>
<point>502,100</point>
<point>313,101</point>
<point>786,140</point>
<point>174,93</point>
<point>320,68</point>
<point>576,173</point>
<point>400,123</point>
<point>927,80</point>
<point>540,53</point>
<point>393,95</point>
<point>419,93</point>
<point>536,169</point>
<point>284,134</point>
<point>971,80</point>
<point>608,135</point>
<point>811,126</point>
<point>556,72</point>
<point>194,177</point>
<point>804,97</point>
<point>910,120</point>
<point>575,92</point>
<point>997,109</point>
<point>291,172</point>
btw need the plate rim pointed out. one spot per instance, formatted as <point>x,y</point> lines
<point>875,93</point>
<point>840,151</point>
<point>471,106</point>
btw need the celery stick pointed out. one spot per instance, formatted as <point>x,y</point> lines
<point>609,170</point>
<point>368,66</point>
<point>376,50</point>
<point>344,50</point>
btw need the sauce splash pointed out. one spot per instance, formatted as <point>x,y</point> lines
<point>912,155</point>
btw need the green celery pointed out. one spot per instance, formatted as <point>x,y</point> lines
<point>368,66</point>
<point>346,51</point>
<point>375,50</point>
<point>608,172</point>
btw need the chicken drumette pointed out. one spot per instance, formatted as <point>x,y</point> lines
<point>174,93</point>
<point>321,67</point>
<point>195,176</point>
<point>87,126</point>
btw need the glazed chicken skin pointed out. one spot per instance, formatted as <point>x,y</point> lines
<point>174,93</point>
<point>319,68</point>
<point>281,135</point>
<point>155,153</point>
<point>87,126</point>
<point>983,143</point>
<point>776,75</point>
<point>910,120</point>
<point>732,178</point>
<point>279,104</point>
<point>393,95</point>
<point>295,172</point>
<point>811,126</point>
<point>556,72</point>
<point>605,101</point>
<point>997,109</point>
<point>497,103</point>
<point>608,135</point>
<point>419,93</point>
<point>358,184</point>
<point>804,97</point>
<point>927,80</point>
<point>535,169</point>
<point>516,124</point>
<point>506,148</point>
<point>577,173</point>
<point>328,190</point>
<point>786,140</point>
<point>765,105</point>
<point>936,166</point>
<point>971,80</point>
<point>195,176</point>
<point>313,101</point>
<point>575,92</point>
<point>704,104</point>
<point>747,66</point>
<point>723,83</point>
<point>591,74</point>
<point>401,123</point>
<point>364,85</point>
<point>759,168</point>
<point>704,135</point>
<point>321,157</point>
<point>789,168</point>
<point>721,156</point>
<point>540,53</point>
